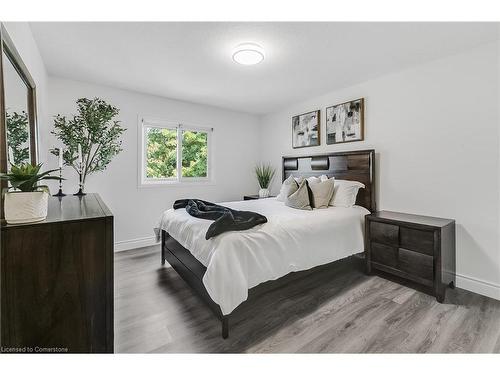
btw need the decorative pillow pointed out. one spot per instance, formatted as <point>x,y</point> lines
<point>345,193</point>
<point>298,180</point>
<point>313,180</point>
<point>300,199</point>
<point>322,193</point>
<point>288,187</point>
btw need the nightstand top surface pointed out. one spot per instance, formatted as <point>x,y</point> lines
<point>410,218</point>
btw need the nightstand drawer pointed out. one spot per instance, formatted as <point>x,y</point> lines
<point>383,233</point>
<point>421,241</point>
<point>383,254</point>
<point>416,264</point>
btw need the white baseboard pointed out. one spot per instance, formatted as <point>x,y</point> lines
<point>478,286</point>
<point>135,243</point>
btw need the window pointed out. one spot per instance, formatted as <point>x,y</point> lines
<point>173,153</point>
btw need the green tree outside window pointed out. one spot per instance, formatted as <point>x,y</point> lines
<point>161,153</point>
<point>194,154</point>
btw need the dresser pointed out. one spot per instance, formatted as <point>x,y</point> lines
<point>57,280</point>
<point>413,247</point>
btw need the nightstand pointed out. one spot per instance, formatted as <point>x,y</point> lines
<point>413,247</point>
<point>255,196</point>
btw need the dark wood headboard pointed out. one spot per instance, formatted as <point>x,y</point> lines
<point>348,165</point>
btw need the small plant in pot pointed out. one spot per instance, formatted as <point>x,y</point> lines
<point>28,201</point>
<point>265,174</point>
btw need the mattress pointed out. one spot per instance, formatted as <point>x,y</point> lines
<point>291,240</point>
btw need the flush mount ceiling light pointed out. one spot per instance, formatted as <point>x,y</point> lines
<point>248,54</point>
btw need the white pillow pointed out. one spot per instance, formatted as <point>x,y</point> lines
<point>312,179</point>
<point>289,186</point>
<point>345,193</point>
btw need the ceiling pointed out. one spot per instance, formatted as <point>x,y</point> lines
<point>192,61</point>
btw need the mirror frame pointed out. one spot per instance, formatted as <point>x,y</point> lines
<point>7,47</point>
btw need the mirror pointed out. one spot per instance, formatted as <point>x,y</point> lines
<point>17,108</point>
<point>16,115</point>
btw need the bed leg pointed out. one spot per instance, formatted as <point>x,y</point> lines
<point>225,327</point>
<point>162,247</point>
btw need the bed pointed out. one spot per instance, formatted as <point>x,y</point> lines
<point>223,269</point>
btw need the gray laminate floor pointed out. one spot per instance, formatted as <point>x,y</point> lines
<point>333,309</point>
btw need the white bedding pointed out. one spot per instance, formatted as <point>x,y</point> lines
<point>291,240</point>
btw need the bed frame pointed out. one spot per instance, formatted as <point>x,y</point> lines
<point>349,165</point>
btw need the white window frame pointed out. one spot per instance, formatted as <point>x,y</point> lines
<point>148,122</point>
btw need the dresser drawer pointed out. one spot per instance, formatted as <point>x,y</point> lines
<point>418,240</point>
<point>387,234</point>
<point>384,254</point>
<point>416,264</point>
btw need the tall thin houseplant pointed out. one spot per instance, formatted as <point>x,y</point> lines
<point>265,174</point>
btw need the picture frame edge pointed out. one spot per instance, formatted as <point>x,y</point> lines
<point>362,124</point>
<point>319,128</point>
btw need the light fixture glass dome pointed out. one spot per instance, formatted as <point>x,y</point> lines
<point>248,54</point>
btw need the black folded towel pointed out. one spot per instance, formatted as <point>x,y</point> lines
<point>225,218</point>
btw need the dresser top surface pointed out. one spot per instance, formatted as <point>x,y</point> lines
<point>70,208</point>
<point>431,221</point>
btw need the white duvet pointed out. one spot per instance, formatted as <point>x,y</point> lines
<point>291,240</point>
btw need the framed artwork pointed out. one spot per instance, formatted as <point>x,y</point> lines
<point>345,122</point>
<point>305,129</point>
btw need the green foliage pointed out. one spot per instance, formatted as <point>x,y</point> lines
<point>162,153</point>
<point>17,136</point>
<point>194,154</point>
<point>26,177</point>
<point>265,174</point>
<point>95,129</point>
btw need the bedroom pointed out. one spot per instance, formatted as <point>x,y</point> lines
<point>372,225</point>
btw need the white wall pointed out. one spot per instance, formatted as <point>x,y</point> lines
<point>20,33</point>
<point>435,132</point>
<point>137,210</point>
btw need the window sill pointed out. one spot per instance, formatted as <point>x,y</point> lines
<point>160,184</point>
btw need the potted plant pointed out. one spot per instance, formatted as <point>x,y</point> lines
<point>91,138</point>
<point>265,174</point>
<point>29,201</point>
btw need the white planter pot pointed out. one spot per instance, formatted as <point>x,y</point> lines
<point>263,193</point>
<point>25,207</point>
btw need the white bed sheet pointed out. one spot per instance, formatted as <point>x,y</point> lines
<point>291,240</point>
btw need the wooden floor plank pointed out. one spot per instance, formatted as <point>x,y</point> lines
<point>336,308</point>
